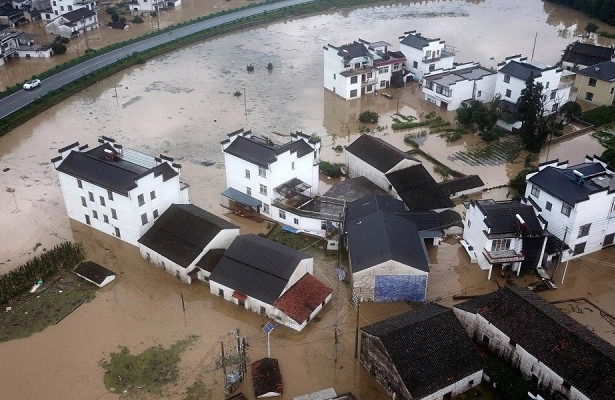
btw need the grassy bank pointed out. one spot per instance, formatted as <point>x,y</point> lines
<point>12,121</point>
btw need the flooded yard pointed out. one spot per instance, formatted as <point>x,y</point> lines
<point>183,105</point>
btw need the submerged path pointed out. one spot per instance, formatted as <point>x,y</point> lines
<point>15,101</point>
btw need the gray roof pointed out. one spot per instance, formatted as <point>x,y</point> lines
<point>377,153</point>
<point>428,347</point>
<point>380,237</point>
<point>564,184</point>
<point>353,50</point>
<point>182,232</point>
<point>416,40</point>
<point>500,216</point>
<point>521,70</point>
<point>587,54</point>
<point>604,71</point>
<point>257,267</point>
<point>461,184</point>
<point>424,220</point>
<point>93,272</point>
<point>258,152</point>
<point>370,204</point>
<point>119,176</point>
<point>418,190</point>
<point>76,15</point>
<point>558,341</point>
<point>448,78</point>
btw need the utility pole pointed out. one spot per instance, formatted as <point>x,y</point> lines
<point>560,254</point>
<point>223,363</point>
<point>335,329</point>
<point>356,335</point>
<point>85,32</point>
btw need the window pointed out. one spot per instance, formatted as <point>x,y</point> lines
<point>512,343</point>
<point>79,184</point>
<point>220,292</point>
<point>553,93</point>
<point>266,208</point>
<point>478,93</point>
<point>106,219</point>
<point>612,90</point>
<point>415,64</point>
<point>117,232</point>
<point>55,4</point>
<point>554,107</point>
<point>113,213</point>
<point>296,221</point>
<point>262,171</point>
<point>584,230</point>
<point>87,219</point>
<point>353,93</point>
<point>500,244</point>
<point>383,84</point>
<point>282,214</point>
<point>262,310</point>
<point>334,76</point>
<point>353,79</point>
<point>383,70</point>
<point>102,200</point>
<point>91,195</point>
<point>508,93</point>
<point>486,340</point>
<point>589,96</point>
<point>155,213</point>
<point>141,200</point>
<point>323,225</point>
<point>144,218</point>
<point>579,248</point>
<point>110,194</point>
<point>292,165</point>
<point>61,8</point>
<point>249,191</point>
<point>506,78</point>
<point>247,174</point>
<point>70,8</point>
<point>566,209</point>
<point>83,202</point>
<point>592,82</point>
<point>94,214</point>
<point>428,54</point>
<point>263,190</point>
<point>432,67</point>
<point>152,195</point>
<point>548,206</point>
<point>547,85</point>
<point>535,191</point>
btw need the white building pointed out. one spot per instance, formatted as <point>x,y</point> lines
<point>425,55</point>
<point>184,240</point>
<point>118,191</point>
<point>577,201</point>
<point>356,69</point>
<point>73,23</point>
<point>152,5</point>
<point>450,88</point>
<point>270,279</point>
<point>548,347</point>
<point>503,233</point>
<point>515,71</point>
<point>61,7</point>
<point>278,182</point>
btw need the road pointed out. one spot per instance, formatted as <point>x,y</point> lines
<point>18,100</point>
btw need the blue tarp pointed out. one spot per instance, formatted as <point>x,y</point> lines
<point>240,197</point>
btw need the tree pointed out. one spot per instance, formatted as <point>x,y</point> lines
<point>369,117</point>
<point>536,124</point>
<point>58,47</point>
<point>570,110</point>
<point>481,117</point>
<point>590,28</point>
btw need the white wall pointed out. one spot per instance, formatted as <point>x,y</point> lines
<point>459,387</point>
<point>363,282</point>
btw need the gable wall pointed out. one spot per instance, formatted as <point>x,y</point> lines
<point>364,282</point>
<point>357,167</point>
<point>603,92</point>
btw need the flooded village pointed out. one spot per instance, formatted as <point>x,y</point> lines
<point>180,113</point>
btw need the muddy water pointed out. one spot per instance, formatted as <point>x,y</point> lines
<point>182,105</point>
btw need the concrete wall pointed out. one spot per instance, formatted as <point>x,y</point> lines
<point>603,91</point>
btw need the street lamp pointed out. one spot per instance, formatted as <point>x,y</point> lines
<point>10,188</point>
<point>267,329</point>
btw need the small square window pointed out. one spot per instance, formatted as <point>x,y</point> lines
<point>353,79</point>
<point>152,195</point>
<point>508,93</point>
<point>282,214</point>
<point>589,96</point>
<point>106,219</point>
<point>79,184</point>
<point>83,202</point>
<point>266,208</point>
<point>102,201</point>
<point>566,209</point>
<point>584,230</point>
<point>580,248</point>
<point>155,214</point>
<point>141,200</point>
<point>592,82</point>
<point>553,93</point>
<point>292,165</point>
<point>478,93</point>
<point>334,76</point>
<point>535,191</point>
<point>353,93</point>
<point>262,171</point>
<point>249,191</point>
<point>263,310</point>
<point>263,190</point>
<point>91,195</point>
<point>296,221</point>
<point>507,78</point>
<point>144,218</point>
<point>415,64</point>
<point>548,206</point>
<point>220,292</point>
<point>113,213</point>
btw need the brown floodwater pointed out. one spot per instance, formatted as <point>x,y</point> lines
<point>182,104</point>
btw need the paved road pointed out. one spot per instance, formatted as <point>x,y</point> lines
<point>22,98</point>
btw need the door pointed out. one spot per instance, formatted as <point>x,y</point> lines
<point>608,240</point>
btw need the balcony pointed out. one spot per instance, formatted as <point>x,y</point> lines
<point>503,256</point>
<point>446,52</point>
<point>358,71</point>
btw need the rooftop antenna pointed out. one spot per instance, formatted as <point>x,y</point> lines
<point>580,175</point>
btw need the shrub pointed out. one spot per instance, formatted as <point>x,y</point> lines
<point>58,48</point>
<point>518,182</point>
<point>137,20</point>
<point>330,169</point>
<point>600,116</point>
<point>369,117</point>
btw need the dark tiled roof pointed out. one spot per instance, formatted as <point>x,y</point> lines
<point>416,40</point>
<point>302,298</point>
<point>370,204</point>
<point>119,176</point>
<point>377,153</point>
<point>587,54</point>
<point>210,259</point>
<point>182,232</point>
<point>424,220</point>
<point>564,184</point>
<point>500,216</point>
<point>605,71</point>
<point>450,218</point>
<point>351,189</point>
<point>565,346</point>
<point>352,50</point>
<point>93,272</point>
<point>257,267</point>
<point>521,70</point>
<point>418,190</point>
<point>428,347</point>
<point>380,237</point>
<point>258,152</point>
<point>267,377</point>
<point>75,16</point>
<point>453,186</point>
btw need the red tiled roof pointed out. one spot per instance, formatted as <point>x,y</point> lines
<point>303,298</point>
<point>267,377</point>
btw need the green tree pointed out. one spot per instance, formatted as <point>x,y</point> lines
<point>536,124</point>
<point>479,116</point>
<point>590,28</point>
<point>570,109</point>
<point>58,48</point>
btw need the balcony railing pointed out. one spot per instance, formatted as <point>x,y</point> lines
<point>503,256</point>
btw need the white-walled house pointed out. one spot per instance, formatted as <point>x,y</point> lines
<point>577,201</point>
<point>73,23</point>
<point>514,72</point>
<point>62,7</point>
<point>271,279</point>
<point>451,87</point>
<point>118,191</point>
<point>359,68</point>
<point>425,55</point>
<point>548,347</point>
<point>504,233</point>
<point>182,236</point>
<point>277,181</point>
<point>423,354</point>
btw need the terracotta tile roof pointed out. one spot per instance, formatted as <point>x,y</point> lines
<point>267,377</point>
<point>303,298</point>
